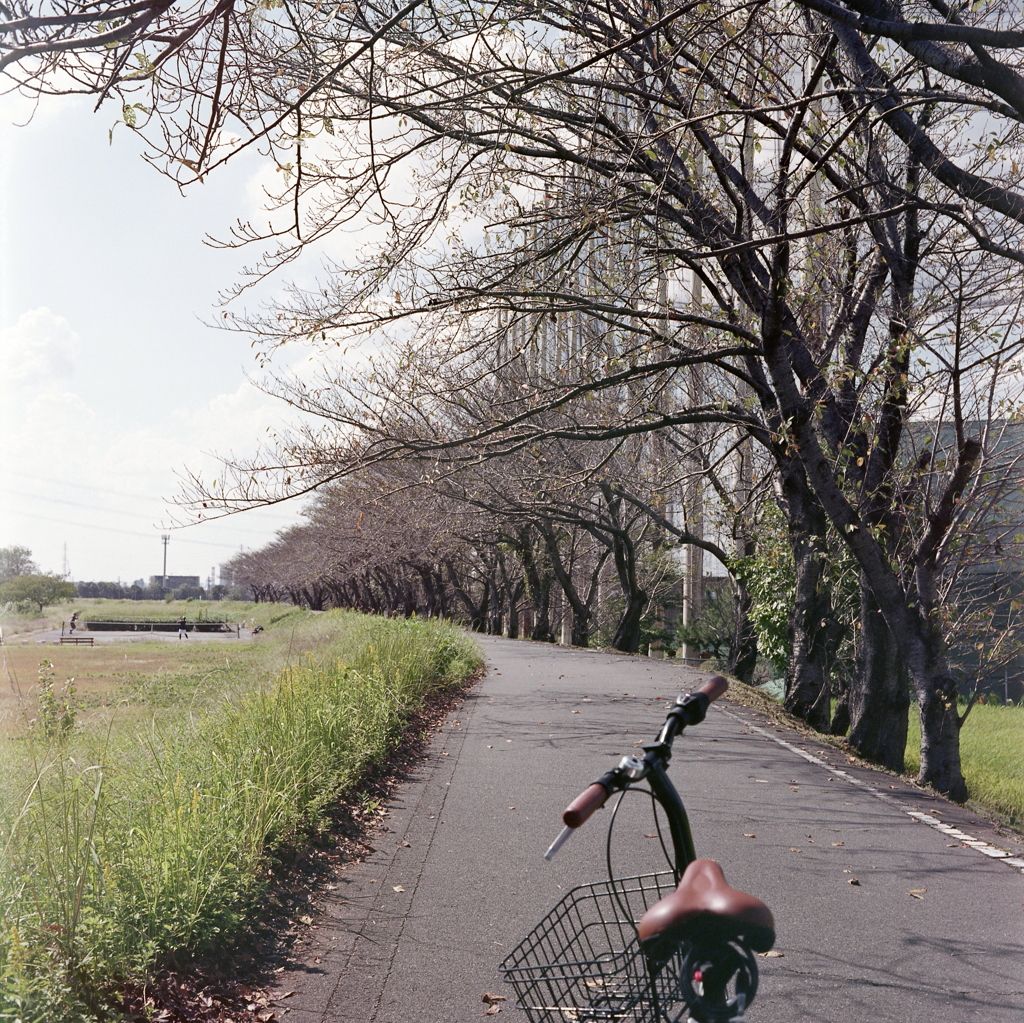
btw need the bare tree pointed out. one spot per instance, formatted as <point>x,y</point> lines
<point>549,174</point>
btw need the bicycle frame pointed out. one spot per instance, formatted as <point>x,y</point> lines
<point>587,956</point>
<point>678,822</point>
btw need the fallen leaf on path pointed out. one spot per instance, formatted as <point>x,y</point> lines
<point>491,999</point>
<point>853,880</point>
<point>914,895</point>
<point>305,919</point>
<point>397,888</point>
<point>794,788</point>
<point>793,848</point>
<point>405,844</point>
<point>650,836</point>
<point>491,1010</point>
<point>837,844</point>
<point>773,954</point>
<point>575,712</point>
<point>750,836</point>
<point>287,994</point>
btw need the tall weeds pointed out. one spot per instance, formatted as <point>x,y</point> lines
<point>123,850</point>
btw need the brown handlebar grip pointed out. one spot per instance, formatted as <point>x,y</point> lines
<point>589,800</point>
<point>714,687</point>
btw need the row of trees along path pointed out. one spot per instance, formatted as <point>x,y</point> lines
<point>667,257</point>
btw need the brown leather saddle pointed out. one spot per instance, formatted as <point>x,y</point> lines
<point>705,911</point>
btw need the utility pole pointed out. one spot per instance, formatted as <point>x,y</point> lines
<point>166,539</point>
<point>693,493</point>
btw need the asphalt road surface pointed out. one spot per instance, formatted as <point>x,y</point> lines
<point>933,931</point>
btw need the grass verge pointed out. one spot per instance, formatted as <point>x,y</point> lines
<point>991,745</point>
<point>126,848</point>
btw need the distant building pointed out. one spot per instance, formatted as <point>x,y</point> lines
<point>172,582</point>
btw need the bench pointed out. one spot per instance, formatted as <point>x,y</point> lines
<point>77,640</point>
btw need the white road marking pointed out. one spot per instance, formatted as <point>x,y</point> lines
<point>1016,862</point>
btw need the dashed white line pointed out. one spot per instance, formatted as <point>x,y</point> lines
<point>995,853</point>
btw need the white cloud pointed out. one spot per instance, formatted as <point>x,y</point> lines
<point>72,478</point>
<point>36,351</point>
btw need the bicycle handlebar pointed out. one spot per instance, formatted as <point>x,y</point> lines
<point>589,800</point>
<point>714,687</point>
<point>595,795</point>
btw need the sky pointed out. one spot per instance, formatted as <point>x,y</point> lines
<point>111,382</point>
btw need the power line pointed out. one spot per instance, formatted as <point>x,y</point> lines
<point>117,511</point>
<point>78,486</point>
<point>129,532</point>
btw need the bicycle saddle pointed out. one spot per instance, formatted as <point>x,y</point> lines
<point>704,910</point>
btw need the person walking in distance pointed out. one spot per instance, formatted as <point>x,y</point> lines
<point>182,628</point>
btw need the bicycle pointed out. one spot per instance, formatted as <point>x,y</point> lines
<point>653,948</point>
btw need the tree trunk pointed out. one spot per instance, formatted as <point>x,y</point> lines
<point>811,635</point>
<point>879,697</point>
<point>743,647</point>
<point>538,589</point>
<point>581,604</point>
<point>841,716</point>
<point>940,739</point>
<point>627,632</point>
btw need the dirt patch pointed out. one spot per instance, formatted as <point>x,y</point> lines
<point>123,676</point>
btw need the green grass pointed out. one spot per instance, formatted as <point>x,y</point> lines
<point>129,846</point>
<point>992,757</point>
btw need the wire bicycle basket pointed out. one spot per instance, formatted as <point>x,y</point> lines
<point>583,963</point>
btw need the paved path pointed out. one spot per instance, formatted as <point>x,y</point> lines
<point>415,933</point>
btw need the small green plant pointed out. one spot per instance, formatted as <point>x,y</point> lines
<point>58,710</point>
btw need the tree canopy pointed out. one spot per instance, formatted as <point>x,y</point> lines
<point>16,560</point>
<point>789,228</point>
<point>37,589</point>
